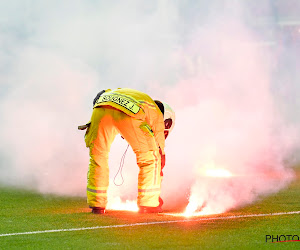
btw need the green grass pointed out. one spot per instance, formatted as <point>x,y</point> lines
<point>24,211</point>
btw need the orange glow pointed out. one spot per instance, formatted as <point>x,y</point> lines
<point>203,212</point>
<point>190,213</point>
<point>117,204</point>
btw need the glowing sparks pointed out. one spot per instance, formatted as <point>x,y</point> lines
<point>191,207</point>
<point>199,201</point>
<point>117,204</point>
<point>197,208</point>
<point>193,210</point>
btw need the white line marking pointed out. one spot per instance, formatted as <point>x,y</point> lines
<point>150,223</point>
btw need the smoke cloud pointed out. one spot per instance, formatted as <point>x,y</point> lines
<point>229,77</point>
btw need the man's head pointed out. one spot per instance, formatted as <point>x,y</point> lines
<point>169,116</point>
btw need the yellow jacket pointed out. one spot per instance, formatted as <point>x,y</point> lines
<point>138,105</point>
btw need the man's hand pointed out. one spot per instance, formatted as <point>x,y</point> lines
<point>163,161</point>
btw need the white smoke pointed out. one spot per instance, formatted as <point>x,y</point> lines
<point>55,57</point>
<point>207,60</point>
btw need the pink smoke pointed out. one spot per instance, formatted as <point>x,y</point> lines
<point>200,58</point>
<point>225,114</point>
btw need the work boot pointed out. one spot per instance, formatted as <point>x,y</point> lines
<point>98,210</point>
<point>146,210</point>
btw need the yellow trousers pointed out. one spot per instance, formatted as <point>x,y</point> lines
<point>106,123</point>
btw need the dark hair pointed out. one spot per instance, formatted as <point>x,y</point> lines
<point>97,97</point>
<point>161,106</point>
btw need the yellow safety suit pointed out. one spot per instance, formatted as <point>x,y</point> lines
<point>138,119</point>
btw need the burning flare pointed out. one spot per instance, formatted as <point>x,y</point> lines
<point>197,203</point>
<point>116,203</point>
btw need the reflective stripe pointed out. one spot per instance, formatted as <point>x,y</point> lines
<point>122,100</point>
<point>149,129</point>
<point>96,191</point>
<point>149,190</point>
<point>156,166</point>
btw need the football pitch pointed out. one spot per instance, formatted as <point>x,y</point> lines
<point>29,220</point>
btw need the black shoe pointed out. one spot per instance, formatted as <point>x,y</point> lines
<point>98,210</point>
<point>146,210</point>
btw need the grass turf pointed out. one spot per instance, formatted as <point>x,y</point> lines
<point>24,211</point>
